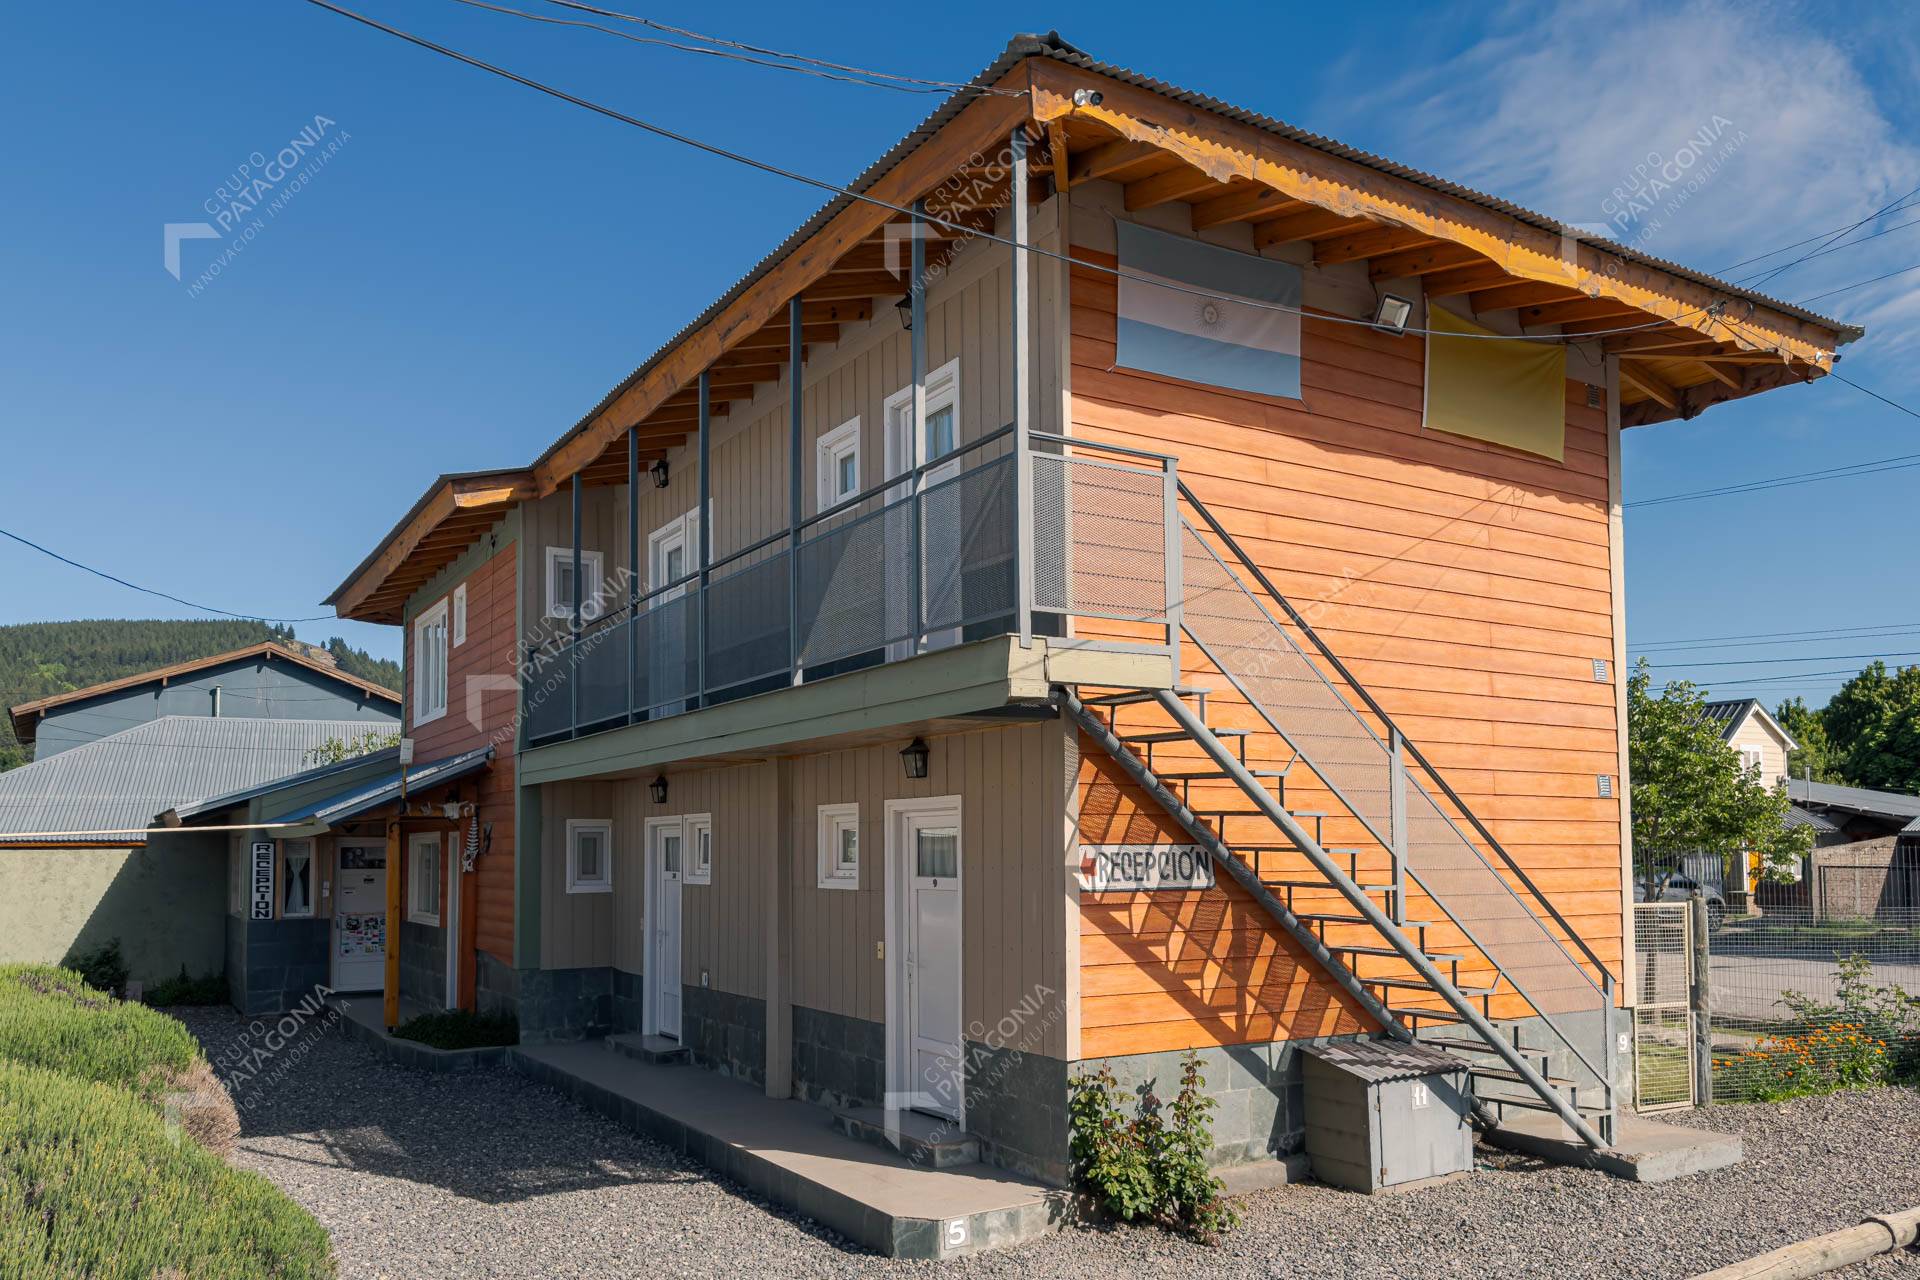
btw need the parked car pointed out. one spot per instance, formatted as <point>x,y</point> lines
<point>1672,886</point>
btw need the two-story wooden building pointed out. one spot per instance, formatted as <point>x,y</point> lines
<point>1129,576</point>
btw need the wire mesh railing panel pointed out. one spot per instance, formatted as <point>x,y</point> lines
<point>748,627</point>
<point>1100,538</point>
<point>1821,989</point>
<point>1663,1006</point>
<point>857,584</point>
<point>601,670</point>
<point>967,528</point>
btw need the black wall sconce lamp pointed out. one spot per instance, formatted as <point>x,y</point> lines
<point>659,473</point>
<point>914,757</point>
<point>658,789</point>
<point>905,308</point>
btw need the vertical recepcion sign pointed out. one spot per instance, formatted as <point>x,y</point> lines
<point>262,880</point>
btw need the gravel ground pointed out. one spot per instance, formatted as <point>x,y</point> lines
<point>491,1175</point>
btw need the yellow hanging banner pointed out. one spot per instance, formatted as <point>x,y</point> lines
<point>1510,393</point>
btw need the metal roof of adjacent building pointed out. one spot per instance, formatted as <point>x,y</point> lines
<point>1831,795</point>
<point>1798,817</point>
<point>114,786</point>
<point>385,789</point>
<point>1383,1060</point>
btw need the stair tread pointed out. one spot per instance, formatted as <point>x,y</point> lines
<point>1540,1104</point>
<point>1421,984</point>
<point>1180,735</point>
<point>1217,773</point>
<point>1508,1073</point>
<point>1141,695</point>
<point>1476,1046</point>
<point>1340,919</point>
<point>1322,884</point>
<point>1436,957</point>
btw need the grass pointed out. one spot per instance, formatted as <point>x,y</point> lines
<point>460,1030</point>
<point>50,1018</point>
<point>94,1182</point>
<point>181,990</point>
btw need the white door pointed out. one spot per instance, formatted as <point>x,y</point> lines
<point>666,857</point>
<point>670,551</point>
<point>925,1053</point>
<point>360,916</point>
<point>938,517</point>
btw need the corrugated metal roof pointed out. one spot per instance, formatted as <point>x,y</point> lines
<point>1383,1060</point>
<point>1831,795</point>
<point>234,799</point>
<point>1053,46</point>
<point>372,794</point>
<point>1728,713</point>
<point>1798,817</point>
<point>119,782</point>
<point>1911,829</point>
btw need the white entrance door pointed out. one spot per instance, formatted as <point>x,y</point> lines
<point>670,552</point>
<point>925,1062</point>
<point>666,859</point>
<point>939,514</point>
<point>360,916</point>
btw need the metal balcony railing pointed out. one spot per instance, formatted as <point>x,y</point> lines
<point>924,560</point>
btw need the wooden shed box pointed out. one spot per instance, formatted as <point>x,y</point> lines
<point>1382,1116</point>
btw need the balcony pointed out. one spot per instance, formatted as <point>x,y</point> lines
<point>1079,547</point>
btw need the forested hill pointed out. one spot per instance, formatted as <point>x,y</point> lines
<point>39,659</point>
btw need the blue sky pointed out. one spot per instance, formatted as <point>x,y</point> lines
<point>476,265</point>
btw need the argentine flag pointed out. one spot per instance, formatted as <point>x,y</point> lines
<point>1213,338</point>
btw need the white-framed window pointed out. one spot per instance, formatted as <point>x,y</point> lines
<point>430,665</point>
<point>942,434</point>
<point>460,615</point>
<point>1750,760</point>
<point>837,458</point>
<point>423,878</point>
<point>560,583</point>
<point>672,552</point>
<point>296,887</point>
<point>840,846</point>
<point>589,855</point>
<point>699,848</point>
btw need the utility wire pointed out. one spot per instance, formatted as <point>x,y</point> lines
<point>1805,657</point>
<point>1858,284</point>
<point>1822,638</point>
<point>1899,462</point>
<point>204,608</point>
<point>1881,212</point>
<point>1764,635</point>
<point>873,80</point>
<point>820,184</point>
<point>1899,206</point>
<point>940,85</point>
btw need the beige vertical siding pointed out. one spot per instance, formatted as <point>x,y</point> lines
<point>1013,872</point>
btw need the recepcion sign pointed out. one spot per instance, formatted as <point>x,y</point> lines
<point>1121,868</point>
<point>262,880</point>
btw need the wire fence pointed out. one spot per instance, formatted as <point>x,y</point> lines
<point>1821,987</point>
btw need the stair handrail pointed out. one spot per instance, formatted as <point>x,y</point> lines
<point>1419,758</point>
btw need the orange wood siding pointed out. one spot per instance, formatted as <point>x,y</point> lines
<point>1164,970</point>
<point>1465,584</point>
<point>488,655</point>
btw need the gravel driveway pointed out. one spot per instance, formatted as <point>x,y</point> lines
<point>491,1175</point>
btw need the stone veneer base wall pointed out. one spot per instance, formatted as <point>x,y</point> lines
<point>725,1032</point>
<point>272,965</point>
<point>423,965</point>
<point>838,1061</point>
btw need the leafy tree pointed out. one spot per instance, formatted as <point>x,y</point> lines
<point>1690,794</point>
<point>1874,726</point>
<point>1815,753</point>
<point>338,750</point>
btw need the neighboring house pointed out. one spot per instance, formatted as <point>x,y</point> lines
<point>79,866</point>
<point>838,665</point>
<point>1876,879</point>
<point>1762,745</point>
<point>1860,813</point>
<point>265,681</point>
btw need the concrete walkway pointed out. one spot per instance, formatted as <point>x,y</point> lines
<point>789,1152</point>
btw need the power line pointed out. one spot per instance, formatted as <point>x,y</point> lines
<point>871,79</point>
<point>1766,644</point>
<point>1858,284</point>
<point>936,85</point>
<point>1843,232</point>
<point>204,608</point>
<point>1898,462</point>
<point>820,184</point>
<point>1764,635</point>
<point>1899,207</point>
<point>1755,662</point>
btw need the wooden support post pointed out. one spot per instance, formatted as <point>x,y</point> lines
<point>917,454</point>
<point>700,522</point>
<point>1020,327</point>
<point>573,639</point>
<point>787,855</point>
<point>390,1012</point>
<point>633,567</point>
<point>1700,1001</point>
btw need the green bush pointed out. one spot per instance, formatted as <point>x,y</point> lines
<point>94,1182</point>
<point>458,1029</point>
<point>51,1018</point>
<point>1150,1166</point>
<point>103,967</point>
<point>209,988</point>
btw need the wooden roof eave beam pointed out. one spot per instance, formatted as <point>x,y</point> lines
<point>1225,149</point>
<point>1690,402</point>
<point>979,126</point>
<point>462,494</point>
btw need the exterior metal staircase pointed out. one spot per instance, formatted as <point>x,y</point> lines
<point>1350,906</point>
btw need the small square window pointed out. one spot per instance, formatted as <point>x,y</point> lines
<point>423,879</point>
<point>700,848</point>
<point>560,586</point>
<point>296,895</point>
<point>839,848</point>
<point>589,855</point>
